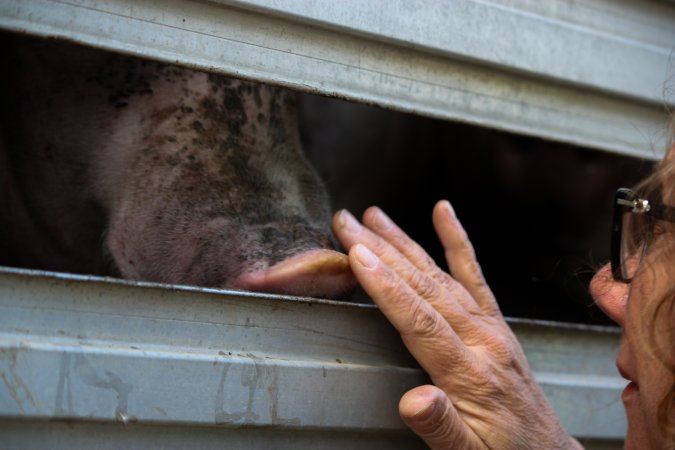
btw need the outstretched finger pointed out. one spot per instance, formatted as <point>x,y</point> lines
<point>425,332</point>
<point>377,236</point>
<point>410,262</point>
<point>461,257</point>
<point>375,219</point>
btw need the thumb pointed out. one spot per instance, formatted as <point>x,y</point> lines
<point>427,410</point>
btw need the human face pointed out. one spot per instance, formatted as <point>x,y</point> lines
<point>633,307</point>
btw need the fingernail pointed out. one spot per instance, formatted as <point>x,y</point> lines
<point>348,222</point>
<point>382,221</point>
<point>365,257</point>
<point>425,413</point>
<point>449,209</point>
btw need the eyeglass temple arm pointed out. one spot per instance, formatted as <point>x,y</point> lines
<point>641,206</point>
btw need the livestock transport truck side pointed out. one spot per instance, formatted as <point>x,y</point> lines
<point>95,362</point>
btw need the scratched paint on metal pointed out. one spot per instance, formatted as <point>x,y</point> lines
<point>608,94</point>
<point>90,350</point>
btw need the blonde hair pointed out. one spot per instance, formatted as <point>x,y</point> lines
<point>662,343</point>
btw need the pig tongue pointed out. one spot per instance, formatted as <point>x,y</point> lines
<point>315,273</point>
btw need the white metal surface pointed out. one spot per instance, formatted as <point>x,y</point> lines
<point>591,73</point>
<point>87,353</point>
<point>585,42</point>
<point>115,364</point>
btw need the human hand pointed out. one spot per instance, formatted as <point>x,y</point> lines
<point>484,395</point>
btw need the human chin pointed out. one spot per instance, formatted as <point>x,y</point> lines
<point>648,383</point>
<point>642,434</point>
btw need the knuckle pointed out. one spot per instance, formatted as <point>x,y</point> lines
<point>424,285</point>
<point>485,382</point>
<point>402,243</point>
<point>503,357</point>
<point>399,240</point>
<point>449,284</point>
<point>464,241</point>
<point>423,321</point>
<point>474,269</point>
<point>476,275</point>
<point>391,282</point>
<point>490,388</point>
<point>428,261</point>
<point>475,282</point>
<point>506,352</point>
<point>380,245</point>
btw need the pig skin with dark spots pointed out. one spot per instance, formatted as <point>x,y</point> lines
<point>114,165</point>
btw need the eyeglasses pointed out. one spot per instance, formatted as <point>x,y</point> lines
<point>632,227</point>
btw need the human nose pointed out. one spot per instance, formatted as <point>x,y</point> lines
<point>609,294</point>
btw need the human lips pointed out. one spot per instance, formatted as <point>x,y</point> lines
<point>632,387</point>
<point>623,372</point>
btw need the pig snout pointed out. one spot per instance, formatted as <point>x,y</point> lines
<point>183,177</point>
<point>219,193</point>
<point>284,258</point>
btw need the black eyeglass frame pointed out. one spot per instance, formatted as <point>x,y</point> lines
<point>627,201</point>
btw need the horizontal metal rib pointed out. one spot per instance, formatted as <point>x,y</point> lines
<point>88,350</point>
<point>550,71</point>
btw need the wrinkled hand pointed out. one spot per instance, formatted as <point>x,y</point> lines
<point>484,394</point>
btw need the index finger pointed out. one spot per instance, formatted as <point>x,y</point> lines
<point>444,294</point>
<point>425,332</point>
<point>375,219</point>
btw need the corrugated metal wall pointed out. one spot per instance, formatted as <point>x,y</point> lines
<point>119,363</point>
<point>108,364</point>
<point>591,73</point>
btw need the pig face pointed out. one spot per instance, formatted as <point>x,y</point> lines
<point>180,176</point>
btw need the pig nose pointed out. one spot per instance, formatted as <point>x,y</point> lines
<point>610,295</point>
<point>315,273</point>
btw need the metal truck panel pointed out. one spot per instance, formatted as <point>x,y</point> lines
<point>130,362</point>
<point>588,73</point>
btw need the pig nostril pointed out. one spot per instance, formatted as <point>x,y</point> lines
<point>271,234</point>
<point>297,234</point>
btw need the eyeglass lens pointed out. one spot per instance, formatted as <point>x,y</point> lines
<point>633,233</point>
